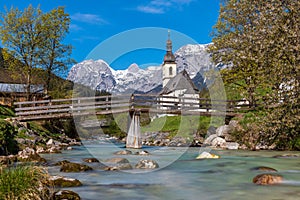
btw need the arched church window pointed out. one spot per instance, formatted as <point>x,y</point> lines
<point>170,71</point>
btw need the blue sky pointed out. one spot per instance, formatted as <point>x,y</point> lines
<point>95,21</point>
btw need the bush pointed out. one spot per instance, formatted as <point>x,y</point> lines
<point>7,143</point>
<point>24,182</point>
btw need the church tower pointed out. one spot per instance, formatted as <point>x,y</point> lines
<point>169,69</point>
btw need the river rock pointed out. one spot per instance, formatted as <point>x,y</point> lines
<point>180,142</point>
<point>60,181</point>
<point>232,145</point>
<point>142,153</point>
<point>267,179</point>
<point>123,152</point>
<point>209,139</point>
<point>122,166</point>
<point>53,149</point>
<point>50,142</point>
<point>62,162</point>
<point>74,167</point>
<point>211,131</point>
<point>263,168</point>
<point>223,130</point>
<point>40,149</point>
<point>90,160</point>
<point>146,164</point>
<point>29,155</point>
<point>219,142</point>
<point>207,155</point>
<point>117,160</point>
<point>65,195</point>
<point>6,160</point>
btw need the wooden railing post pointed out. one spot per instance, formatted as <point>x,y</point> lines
<point>107,103</point>
<point>132,101</point>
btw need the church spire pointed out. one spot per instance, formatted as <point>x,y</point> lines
<point>169,57</point>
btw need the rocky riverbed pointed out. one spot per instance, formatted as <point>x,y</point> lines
<point>33,147</point>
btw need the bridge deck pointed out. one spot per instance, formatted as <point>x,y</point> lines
<point>103,105</point>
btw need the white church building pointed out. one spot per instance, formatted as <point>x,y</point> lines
<point>177,87</point>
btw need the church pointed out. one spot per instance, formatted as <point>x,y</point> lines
<point>177,87</point>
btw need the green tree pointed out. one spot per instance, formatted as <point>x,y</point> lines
<point>259,41</point>
<point>20,33</point>
<point>55,56</point>
<point>36,39</point>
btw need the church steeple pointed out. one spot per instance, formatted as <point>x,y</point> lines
<point>169,68</point>
<point>169,57</point>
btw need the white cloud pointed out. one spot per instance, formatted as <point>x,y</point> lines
<point>182,1</point>
<point>75,27</point>
<point>88,18</point>
<point>84,38</point>
<point>162,6</point>
<point>161,3</point>
<point>150,9</point>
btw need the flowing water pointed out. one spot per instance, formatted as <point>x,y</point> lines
<point>180,175</point>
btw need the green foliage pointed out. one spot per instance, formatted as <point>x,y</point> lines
<point>259,41</point>
<point>7,143</point>
<point>281,126</point>
<point>6,112</point>
<point>34,40</point>
<point>24,182</point>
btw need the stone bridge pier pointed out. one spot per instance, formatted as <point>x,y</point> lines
<point>134,139</point>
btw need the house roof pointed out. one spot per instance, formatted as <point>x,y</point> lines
<point>181,81</point>
<point>20,88</point>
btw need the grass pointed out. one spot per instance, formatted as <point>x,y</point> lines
<point>24,182</point>
<point>184,126</point>
<point>5,112</point>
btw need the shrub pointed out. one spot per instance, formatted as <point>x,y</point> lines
<point>7,143</point>
<point>24,182</point>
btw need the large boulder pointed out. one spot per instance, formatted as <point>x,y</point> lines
<point>74,167</point>
<point>146,164</point>
<point>65,195</point>
<point>60,181</point>
<point>267,179</point>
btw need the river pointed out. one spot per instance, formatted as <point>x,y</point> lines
<point>180,175</point>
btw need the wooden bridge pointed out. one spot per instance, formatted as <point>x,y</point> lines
<point>132,104</point>
<point>102,105</point>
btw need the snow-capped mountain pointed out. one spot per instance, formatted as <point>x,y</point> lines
<point>194,59</point>
<point>100,76</point>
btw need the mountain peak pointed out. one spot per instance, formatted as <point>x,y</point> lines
<point>133,68</point>
<point>100,76</point>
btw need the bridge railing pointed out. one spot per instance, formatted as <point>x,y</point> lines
<point>62,108</point>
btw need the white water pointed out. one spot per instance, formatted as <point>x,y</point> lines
<point>182,177</point>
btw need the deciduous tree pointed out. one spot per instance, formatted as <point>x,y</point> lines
<point>259,41</point>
